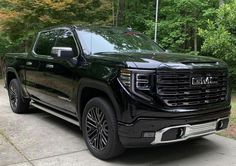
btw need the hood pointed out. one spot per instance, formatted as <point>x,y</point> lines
<point>161,60</point>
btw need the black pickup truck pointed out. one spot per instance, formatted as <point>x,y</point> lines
<point>120,87</point>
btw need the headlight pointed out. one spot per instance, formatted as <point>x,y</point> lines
<point>125,78</point>
<point>142,81</point>
<point>137,81</point>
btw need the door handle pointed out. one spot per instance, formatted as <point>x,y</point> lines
<point>49,66</point>
<point>84,65</point>
<point>29,63</point>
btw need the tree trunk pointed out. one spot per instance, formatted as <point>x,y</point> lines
<point>121,15</point>
<point>117,13</point>
<point>195,40</point>
<point>113,13</point>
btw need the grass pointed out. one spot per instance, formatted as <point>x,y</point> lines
<point>231,131</point>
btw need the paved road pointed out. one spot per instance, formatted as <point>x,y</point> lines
<point>43,140</point>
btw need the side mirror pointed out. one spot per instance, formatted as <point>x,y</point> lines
<point>62,52</point>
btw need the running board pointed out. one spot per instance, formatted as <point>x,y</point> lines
<point>55,113</point>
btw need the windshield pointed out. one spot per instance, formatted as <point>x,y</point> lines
<point>110,40</point>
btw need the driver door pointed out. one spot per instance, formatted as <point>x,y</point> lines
<point>59,74</point>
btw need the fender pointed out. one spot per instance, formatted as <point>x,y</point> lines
<point>23,90</point>
<point>89,83</point>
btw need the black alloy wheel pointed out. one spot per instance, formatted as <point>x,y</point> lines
<point>99,125</point>
<point>13,97</point>
<point>17,102</point>
<point>97,128</point>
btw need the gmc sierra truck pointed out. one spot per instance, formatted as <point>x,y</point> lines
<point>119,87</point>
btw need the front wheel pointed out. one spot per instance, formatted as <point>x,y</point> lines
<point>18,105</point>
<point>99,127</point>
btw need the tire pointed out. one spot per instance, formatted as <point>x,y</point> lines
<point>18,105</point>
<point>99,127</point>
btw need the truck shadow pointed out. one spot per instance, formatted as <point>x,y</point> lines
<point>171,154</point>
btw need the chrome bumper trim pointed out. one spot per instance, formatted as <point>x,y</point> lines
<point>191,131</point>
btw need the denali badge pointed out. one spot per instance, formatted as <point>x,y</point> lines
<point>203,81</point>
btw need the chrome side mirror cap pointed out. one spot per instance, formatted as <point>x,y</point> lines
<point>62,52</point>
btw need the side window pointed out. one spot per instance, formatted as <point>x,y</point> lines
<point>65,39</point>
<point>45,43</point>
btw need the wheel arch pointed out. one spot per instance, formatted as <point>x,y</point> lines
<point>11,73</point>
<point>99,89</point>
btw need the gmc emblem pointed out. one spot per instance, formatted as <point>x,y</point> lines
<point>203,81</point>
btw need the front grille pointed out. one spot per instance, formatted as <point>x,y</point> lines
<point>175,88</point>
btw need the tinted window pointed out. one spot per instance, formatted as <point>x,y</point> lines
<point>45,43</point>
<point>65,39</point>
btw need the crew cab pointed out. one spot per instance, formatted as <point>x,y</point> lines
<point>119,87</point>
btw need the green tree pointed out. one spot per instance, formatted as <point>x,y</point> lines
<point>220,34</point>
<point>220,37</point>
<point>178,24</point>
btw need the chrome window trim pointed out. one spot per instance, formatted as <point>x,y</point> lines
<point>54,29</point>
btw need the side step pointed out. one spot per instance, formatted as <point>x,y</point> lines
<point>55,113</point>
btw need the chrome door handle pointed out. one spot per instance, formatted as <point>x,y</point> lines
<point>49,66</point>
<point>29,63</point>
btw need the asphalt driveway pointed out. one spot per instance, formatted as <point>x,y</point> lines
<point>43,140</point>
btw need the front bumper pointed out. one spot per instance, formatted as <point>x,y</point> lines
<point>184,132</point>
<point>151,131</point>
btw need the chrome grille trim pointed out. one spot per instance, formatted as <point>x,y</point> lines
<point>174,88</point>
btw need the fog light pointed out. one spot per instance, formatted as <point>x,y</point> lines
<point>220,125</point>
<point>181,132</point>
<point>174,134</point>
<point>149,134</point>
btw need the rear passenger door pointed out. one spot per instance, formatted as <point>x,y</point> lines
<point>36,80</point>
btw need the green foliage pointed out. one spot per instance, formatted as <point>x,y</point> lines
<point>179,22</point>
<point>4,44</point>
<point>218,41</point>
<point>138,13</point>
<point>3,48</point>
<point>220,34</point>
<point>220,37</point>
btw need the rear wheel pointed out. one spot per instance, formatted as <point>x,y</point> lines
<point>18,105</point>
<point>100,129</point>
